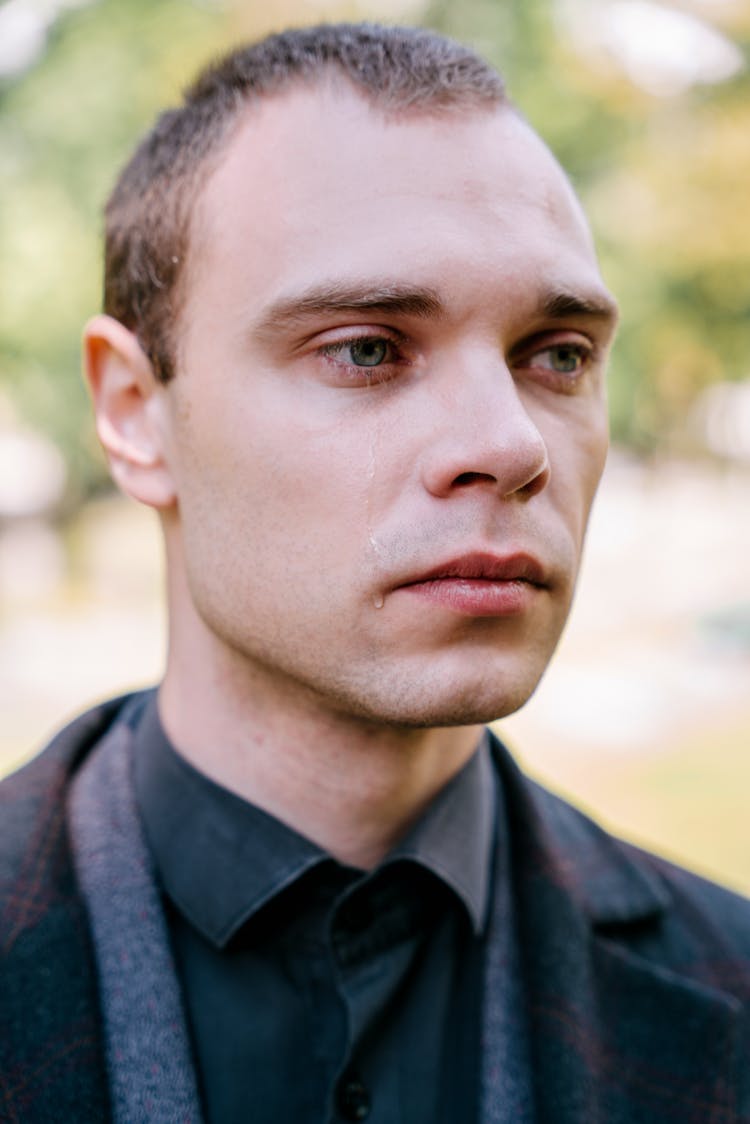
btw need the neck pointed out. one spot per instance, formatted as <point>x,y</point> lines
<point>353,787</point>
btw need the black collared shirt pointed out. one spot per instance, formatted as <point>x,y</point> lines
<point>316,992</point>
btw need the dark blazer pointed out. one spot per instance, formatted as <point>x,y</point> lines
<point>636,974</point>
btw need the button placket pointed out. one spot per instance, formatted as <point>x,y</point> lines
<point>353,1098</point>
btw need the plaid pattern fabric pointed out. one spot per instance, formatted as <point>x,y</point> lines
<point>636,975</point>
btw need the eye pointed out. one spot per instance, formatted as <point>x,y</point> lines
<point>367,351</point>
<point>365,360</point>
<point>562,358</point>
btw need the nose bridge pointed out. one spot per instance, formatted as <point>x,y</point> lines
<point>485,433</point>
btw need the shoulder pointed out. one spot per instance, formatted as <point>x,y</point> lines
<point>689,893</point>
<point>32,800</point>
<point>667,914</point>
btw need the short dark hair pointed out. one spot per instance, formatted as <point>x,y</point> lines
<point>148,214</point>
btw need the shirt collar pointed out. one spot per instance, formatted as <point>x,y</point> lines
<point>455,836</point>
<point>221,858</point>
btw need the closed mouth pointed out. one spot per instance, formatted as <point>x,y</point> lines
<point>485,567</point>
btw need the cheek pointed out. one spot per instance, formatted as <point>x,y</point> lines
<point>595,446</point>
<point>271,483</point>
<point>577,448</point>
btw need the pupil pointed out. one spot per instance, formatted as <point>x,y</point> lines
<point>368,353</point>
<point>567,359</point>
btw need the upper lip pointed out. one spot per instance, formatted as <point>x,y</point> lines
<point>488,567</point>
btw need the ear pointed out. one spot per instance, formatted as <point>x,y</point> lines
<point>129,408</point>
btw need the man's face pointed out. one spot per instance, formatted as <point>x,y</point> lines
<point>388,419</point>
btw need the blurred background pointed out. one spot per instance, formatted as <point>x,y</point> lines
<point>645,715</point>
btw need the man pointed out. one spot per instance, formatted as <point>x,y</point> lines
<point>353,355</point>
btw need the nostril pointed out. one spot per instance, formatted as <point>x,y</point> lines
<point>473,478</point>
<point>537,484</point>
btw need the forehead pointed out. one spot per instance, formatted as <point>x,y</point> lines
<point>317,180</point>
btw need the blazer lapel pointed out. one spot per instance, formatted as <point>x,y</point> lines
<point>615,1040</point>
<point>614,1037</point>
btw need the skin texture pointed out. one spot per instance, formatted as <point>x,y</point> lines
<point>391,355</point>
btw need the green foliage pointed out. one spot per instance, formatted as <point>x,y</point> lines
<point>663,178</point>
<point>65,127</point>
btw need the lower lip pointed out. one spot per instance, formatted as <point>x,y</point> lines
<point>476,597</point>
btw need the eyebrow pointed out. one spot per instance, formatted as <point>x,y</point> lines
<point>560,304</point>
<point>326,299</point>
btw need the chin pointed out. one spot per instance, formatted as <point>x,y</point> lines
<point>468,704</point>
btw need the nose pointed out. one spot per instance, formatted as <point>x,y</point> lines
<point>486,439</point>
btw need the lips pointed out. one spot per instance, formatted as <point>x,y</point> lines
<point>481,584</point>
<point>486,567</point>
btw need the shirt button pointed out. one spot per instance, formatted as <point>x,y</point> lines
<point>353,1099</point>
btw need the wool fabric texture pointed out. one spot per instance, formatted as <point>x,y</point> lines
<point>147,1046</point>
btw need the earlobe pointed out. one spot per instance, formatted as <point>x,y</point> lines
<point>128,408</point>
